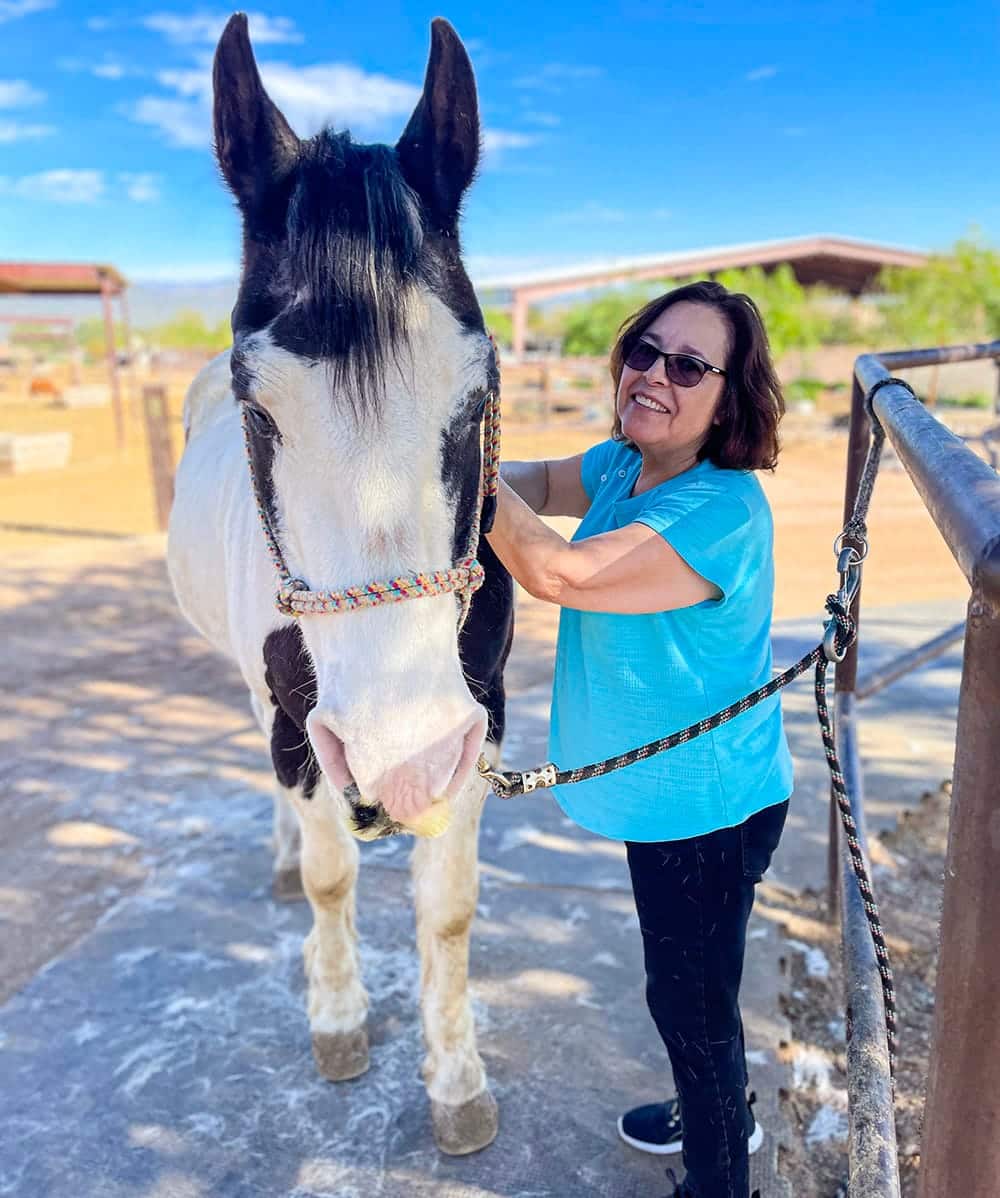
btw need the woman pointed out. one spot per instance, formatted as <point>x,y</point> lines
<point>666,593</point>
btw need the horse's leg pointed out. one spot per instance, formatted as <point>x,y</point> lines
<point>286,882</point>
<point>286,878</point>
<point>446,883</point>
<point>338,1003</point>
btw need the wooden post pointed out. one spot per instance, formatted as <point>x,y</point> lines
<point>109,344</point>
<point>960,1153</point>
<point>161,454</point>
<point>519,320</point>
<point>127,343</point>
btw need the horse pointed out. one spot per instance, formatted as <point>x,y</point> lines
<point>337,444</point>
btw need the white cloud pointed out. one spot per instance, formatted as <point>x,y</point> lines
<point>337,92</point>
<point>495,140</point>
<point>64,186</point>
<point>662,214</point>
<point>99,24</point>
<point>310,97</point>
<point>110,70</point>
<point>204,27</point>
<point>555,75</point>
<point>10,10</point>
<point>591,213</point>
<point>182,123</point>
<point>143,188</point>
<point>548,119</point>
<point>18,93</point>
<point>759,73</point>
<point>15,131</point>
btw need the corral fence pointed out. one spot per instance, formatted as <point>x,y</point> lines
<point>960,1153</point>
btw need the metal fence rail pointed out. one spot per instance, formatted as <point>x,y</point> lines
<point>961,1148</point>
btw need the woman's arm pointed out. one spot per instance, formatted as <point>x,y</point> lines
<point>550,488</point>
<point>631,570</point>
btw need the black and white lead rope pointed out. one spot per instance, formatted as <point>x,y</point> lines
<point>840,632</point>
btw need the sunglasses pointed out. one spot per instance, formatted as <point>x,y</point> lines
<point>684,370</point>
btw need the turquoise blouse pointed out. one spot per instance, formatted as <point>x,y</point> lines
<point>623,680</point>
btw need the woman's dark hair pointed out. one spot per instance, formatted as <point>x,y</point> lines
<point>746,436</point>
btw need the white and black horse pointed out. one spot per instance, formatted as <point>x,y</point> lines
<point>360,367</point>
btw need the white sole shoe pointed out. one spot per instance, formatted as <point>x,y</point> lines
<point>673,1146</point>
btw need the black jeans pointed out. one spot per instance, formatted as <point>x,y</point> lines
<point>694,898</point>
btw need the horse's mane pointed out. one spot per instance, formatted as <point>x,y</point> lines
<point>354,241</point>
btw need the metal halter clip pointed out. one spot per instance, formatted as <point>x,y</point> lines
<point>498,782</point>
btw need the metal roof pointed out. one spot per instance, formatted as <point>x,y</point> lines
<point>58,278</point>
<point>858,257</point>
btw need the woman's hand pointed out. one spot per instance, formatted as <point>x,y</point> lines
<point>631,570</point>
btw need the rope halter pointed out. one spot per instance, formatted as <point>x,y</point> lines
<point>295,597</point>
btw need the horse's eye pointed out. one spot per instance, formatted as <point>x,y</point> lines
<point>260,420</point>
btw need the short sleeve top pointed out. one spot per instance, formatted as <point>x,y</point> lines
<point>624,680</point>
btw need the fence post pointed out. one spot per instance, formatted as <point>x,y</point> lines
<point>111,356</point>
<point>961,1144</point>
<point>161,454</point>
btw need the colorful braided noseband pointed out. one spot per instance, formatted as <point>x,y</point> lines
<point>294,597</point>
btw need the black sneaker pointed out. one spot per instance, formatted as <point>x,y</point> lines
<point>656,1128</point>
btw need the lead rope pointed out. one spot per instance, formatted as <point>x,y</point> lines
<point>840,633</point>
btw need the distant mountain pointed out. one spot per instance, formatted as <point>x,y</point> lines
<point>154,303</point>
<point>150,303</point>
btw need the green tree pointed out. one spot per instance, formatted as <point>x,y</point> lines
<point>954,297</point>
<point>90,337</point>
<point>795,318</point>
<point>590,329</point>
<point>188,331</point>
<point>500,324</point>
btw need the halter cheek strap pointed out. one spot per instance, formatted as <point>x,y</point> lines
<point>294,597</point>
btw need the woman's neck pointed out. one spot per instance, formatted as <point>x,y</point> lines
<point>658,469</point>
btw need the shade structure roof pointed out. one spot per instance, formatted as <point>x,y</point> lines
<point>844,263</point>
<point>59,278</point>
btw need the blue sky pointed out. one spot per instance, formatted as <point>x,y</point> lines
<point>611,129</point>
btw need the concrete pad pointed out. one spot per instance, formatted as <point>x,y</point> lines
<point>156,1043</point>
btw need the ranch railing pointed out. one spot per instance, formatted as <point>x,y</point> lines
<point>961,1145</point>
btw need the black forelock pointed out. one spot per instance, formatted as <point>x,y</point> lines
<point>353,238</point>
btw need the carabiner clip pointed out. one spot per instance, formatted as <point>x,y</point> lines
<point>849,568</point>
<point>498,782</point>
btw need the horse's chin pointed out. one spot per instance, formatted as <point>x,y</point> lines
<point>366,822</point>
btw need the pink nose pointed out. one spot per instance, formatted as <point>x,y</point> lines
<point>408,789</point>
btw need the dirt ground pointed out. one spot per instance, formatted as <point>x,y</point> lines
<point>105,493</point>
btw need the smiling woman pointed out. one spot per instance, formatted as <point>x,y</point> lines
<point>666,593</point>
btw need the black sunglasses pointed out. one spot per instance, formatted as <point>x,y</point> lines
<point>683,369</point>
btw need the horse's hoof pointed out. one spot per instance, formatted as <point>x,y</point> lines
<point>286,884</point>
<point>467,1126</point>
<point>341,1055</point>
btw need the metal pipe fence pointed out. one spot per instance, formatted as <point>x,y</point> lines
<point>961,1145</point>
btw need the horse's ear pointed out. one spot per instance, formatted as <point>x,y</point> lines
<point>439,149</point>
<point>254,144</point>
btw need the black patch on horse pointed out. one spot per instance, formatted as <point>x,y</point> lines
<point>289,676</point>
